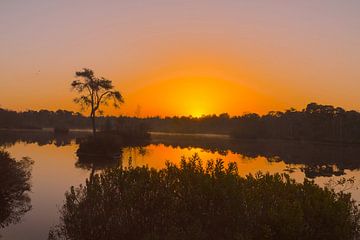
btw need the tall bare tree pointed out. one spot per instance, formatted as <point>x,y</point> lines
<point>94,93</point>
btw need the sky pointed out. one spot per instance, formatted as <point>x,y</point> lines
<point>182,57</point>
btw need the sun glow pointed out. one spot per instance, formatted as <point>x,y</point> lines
<point>196,96</point>
<point>197,113</point>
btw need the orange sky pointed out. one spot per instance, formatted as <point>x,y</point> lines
<point>182,57</point>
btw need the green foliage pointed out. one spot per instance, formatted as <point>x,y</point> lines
<point>14,188</point>
<point>203,201</point>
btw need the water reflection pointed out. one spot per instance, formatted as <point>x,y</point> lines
<point>41,137</point>
<point>14,188</point>
<point>98,163</point>
<point>314,159</point>
<point>57,166</point>
<point>319,159</point>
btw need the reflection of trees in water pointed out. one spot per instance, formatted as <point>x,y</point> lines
<point>98,162</point>
<point>40,137</point>
<point>316,157</point>
<point>327,170</point>
<point>134,152</point>
<point>90,162</point>
<point>14,188</point>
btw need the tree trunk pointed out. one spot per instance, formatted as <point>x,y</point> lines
<point>91,178</point>
<point>93,123</point>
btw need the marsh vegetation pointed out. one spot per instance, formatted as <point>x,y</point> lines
<point>196,200</point>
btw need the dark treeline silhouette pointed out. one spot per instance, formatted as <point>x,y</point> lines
<point>313,123</point>
<point>42,119</point>
<point>62,118</point>
<point>51,119</point>
<point>219,124</point>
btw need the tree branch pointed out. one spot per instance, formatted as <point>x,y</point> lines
<point>99,99</point>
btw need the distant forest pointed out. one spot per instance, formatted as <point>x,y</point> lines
<point>314,123</point>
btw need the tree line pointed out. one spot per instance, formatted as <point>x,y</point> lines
<point>315,122</point>
<point>41,119</point>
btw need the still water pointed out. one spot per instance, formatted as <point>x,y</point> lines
<point>56,166</point>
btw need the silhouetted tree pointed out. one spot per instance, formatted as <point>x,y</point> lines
<point>14,188</point>
<point>95,92</point>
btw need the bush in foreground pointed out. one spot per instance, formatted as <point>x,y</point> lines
<point>14,188</point>
<point>190,201</point>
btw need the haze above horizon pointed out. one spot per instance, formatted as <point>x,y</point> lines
<point>182,57</point>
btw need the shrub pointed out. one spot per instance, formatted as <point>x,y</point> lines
<point>101,145</point>
<point>14,188</point>
<point>197,201</point>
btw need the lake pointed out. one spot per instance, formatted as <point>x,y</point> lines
<point>56,165</point>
